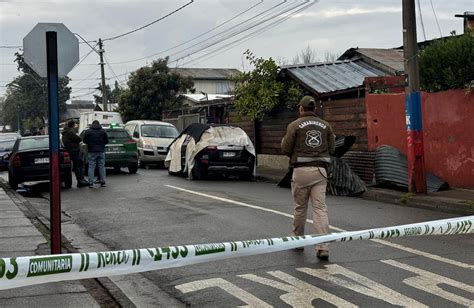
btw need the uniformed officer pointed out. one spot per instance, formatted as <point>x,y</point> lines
<point>308,142</point>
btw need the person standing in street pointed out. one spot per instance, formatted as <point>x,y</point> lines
<point>96,138</point>
<point>308,142</point>
<point>71,143</point>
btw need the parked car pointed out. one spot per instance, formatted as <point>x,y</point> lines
<point>29,161</point>
<point>121,151</point>
<point>7,141</point>
<point>153,139</point>
<point>203,149</point>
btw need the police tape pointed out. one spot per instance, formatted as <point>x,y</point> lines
<point>23,271</point>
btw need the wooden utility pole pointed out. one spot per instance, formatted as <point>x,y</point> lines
<point>415,151</point>
<point>102,73</point>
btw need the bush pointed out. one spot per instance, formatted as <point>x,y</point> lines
<point>448,64</point>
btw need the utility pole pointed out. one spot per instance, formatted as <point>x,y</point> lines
<point>415,151</point>
<point>102,73</point>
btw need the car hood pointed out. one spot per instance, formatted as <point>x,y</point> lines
<point>157,142</point>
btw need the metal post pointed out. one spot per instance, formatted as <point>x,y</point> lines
<point>102,73</point>
<point>54,186</point>
<point>415,155</point>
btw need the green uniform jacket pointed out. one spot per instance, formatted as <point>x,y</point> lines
<point>308,141</point>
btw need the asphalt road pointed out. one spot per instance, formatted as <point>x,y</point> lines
<point>151,209</point>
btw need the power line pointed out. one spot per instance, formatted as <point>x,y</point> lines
<point>237,32</point>
<point>436,18</point>
<point>110,67</point>
<point>11,47</point>
<point>149,24</point>
<point>248,36</point>
<point>87,42</point>
<point>77,96</point>
<point>236,29</point>
<point>421,18</point>
<point>192,39</point>
<point>86,78</point>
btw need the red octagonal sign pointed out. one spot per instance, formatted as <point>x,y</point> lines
<point>34,46</point>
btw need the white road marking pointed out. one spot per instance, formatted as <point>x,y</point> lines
<point>397,246</point>
<point>298,293</point>
<point>361,284</point>
<point>429,282</point>
<point>225,285</point>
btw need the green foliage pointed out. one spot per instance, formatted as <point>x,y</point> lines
<point>259,92</point>
<point>27,97</point>
<point>406,197</point>
<point>112,95</point>
<point>448,64</point>
<point>151,90</point>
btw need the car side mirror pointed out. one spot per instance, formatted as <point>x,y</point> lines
<point>135,135</point>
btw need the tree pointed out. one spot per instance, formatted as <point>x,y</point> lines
<point>259,91</point>
<point>151,90</point>
<point>112,95</point>
<point>448,64</point>
<point>306,56</point>
<point>26,99</point>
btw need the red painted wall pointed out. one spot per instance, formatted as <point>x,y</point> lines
<point>448,130</point>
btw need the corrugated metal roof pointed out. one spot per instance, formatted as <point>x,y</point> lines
<point>386,59</point>
<point>333,77</point>
<point>206,73</point>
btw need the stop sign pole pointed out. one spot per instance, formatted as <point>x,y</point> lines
<point>51,50</point>
<point>55,182</point>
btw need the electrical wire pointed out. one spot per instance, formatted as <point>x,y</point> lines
<point>149,24</point>
<point>236,29</point>
<point>421,18</point>
<point>87,42</point>
<point>77,96</point>
<point>436,18</point>
<point>86,78</point>
<point>233,34</point>
<point>84,57</point>
<point>192,39</point>
<point>110,67</point>
<point>11,47</point>
<point>245,38</point>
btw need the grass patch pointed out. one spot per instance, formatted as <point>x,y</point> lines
<point>406,197</point>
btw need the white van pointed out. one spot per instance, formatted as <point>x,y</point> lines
<point>105,118</point>
<point>153,139</point>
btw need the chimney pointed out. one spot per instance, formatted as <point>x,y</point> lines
<point>468,21</point>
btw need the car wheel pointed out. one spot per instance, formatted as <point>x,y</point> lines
<point>132,169</point>
<point>197,173</point>
<point>12,182</point>
<point>248,176</point>
<point>68,180</point>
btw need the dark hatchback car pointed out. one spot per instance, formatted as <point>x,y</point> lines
<point>29,161</point>
<point>202,149</point>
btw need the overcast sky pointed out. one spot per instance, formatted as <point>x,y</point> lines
<point>327,26</point>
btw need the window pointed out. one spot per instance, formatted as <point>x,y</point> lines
<point>159,131</point>
<point>34,143</point>
<point>117,134</point>
<point>6,145</point>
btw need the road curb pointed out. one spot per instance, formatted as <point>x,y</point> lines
<point>429,202</point>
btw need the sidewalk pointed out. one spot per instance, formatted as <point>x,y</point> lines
<point>459,201</point>
<point>20,237</point>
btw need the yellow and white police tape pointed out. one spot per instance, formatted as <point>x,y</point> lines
<point>23,271</point>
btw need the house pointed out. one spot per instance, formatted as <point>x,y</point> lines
<point>209,80</point>
<point>389,61</point>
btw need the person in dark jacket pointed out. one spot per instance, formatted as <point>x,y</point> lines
<point>96,138</point>
<point>71,143</point>
<point>308,142</point>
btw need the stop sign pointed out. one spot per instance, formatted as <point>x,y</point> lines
<point>34,46</point>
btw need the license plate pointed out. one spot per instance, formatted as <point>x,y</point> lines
<point>44,160</point>
<point>228,154</point>
<point>113,149</point>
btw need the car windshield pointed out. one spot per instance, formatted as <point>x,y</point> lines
<point>6,145</point>
<point>34,143</point>
<point>159,131</point>
<point>117,134</point>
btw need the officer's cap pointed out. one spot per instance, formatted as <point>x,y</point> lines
<point>308,101</point>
